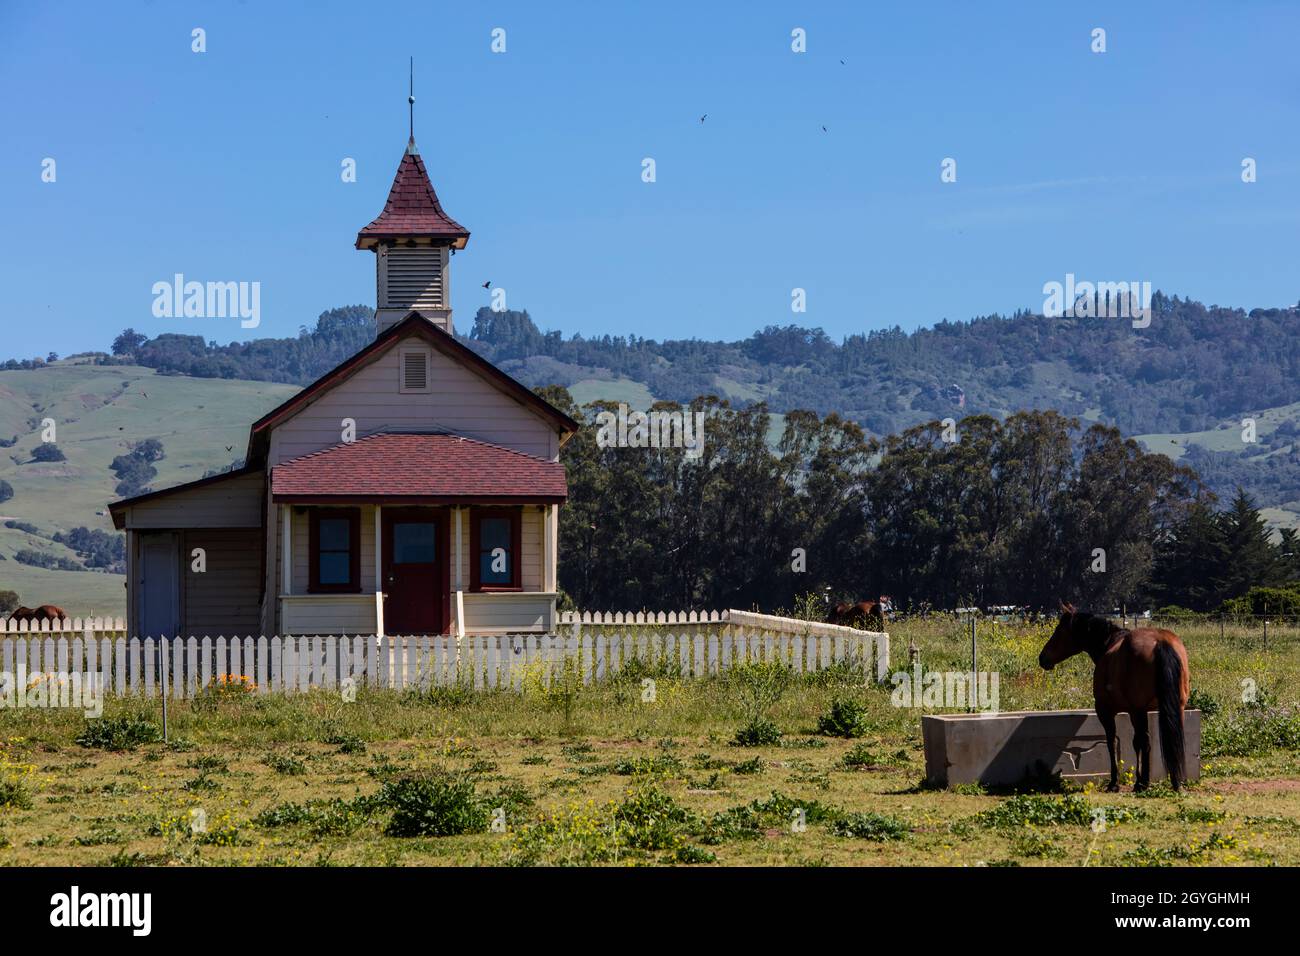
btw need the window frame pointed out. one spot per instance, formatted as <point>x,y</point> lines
<point>353,516</point>
<point>515,517</point>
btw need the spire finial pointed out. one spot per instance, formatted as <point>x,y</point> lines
<point>410,100</point>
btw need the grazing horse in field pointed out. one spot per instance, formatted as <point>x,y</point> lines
<point>863,613</point>
<point>46,612</point>
<point>1135,672</point>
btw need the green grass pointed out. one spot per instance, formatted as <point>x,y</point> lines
<point>99,412</point>
<point>739,391</point>
<point>604,779</point>
<point>636,395</point>
<point>1226,437</point>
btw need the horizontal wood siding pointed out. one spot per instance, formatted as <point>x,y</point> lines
<point>302,541</point>
<point>328,614</point>
<point>225,598</point>
<point>508,612</point>
<point>530,542</point>
<point>457,401</point>
<point>271,567</point>
<point>235,503</point>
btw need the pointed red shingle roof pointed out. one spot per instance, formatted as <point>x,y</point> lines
<point>413,209</point>
<point>419,466</point>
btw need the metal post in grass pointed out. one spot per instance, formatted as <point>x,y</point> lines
<point>1265,625</point>
<point>974,673</point>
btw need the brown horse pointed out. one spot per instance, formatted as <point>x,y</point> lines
<point>863,613</point>
<point>46,612</point>
<point>1135,672</point>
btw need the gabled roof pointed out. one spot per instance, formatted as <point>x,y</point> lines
<point>426,467</point>
<point>118,508</point>
<point>418,325</point>
<point>413,210</point>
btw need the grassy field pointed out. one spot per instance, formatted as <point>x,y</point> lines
<point>598,776</point>
<point>635,394</point>
<point>1226,437</point>
<point>99,412</point>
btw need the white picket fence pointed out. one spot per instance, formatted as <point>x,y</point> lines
<point>590,646</point>
<point>184,668</point>
<point>807,640</point>
<point>98,626</point>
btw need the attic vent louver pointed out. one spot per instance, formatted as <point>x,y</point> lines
<point>415,370</point>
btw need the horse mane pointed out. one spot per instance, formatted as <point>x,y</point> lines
<point>1097,631</point>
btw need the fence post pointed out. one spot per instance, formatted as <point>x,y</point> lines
<point>1265,625</point>
<point>577,641</point>
<point>163,661</point>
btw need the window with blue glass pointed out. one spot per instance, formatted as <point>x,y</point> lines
<point>414,542</point>
<point>495,548</point>
<point>335,549</point>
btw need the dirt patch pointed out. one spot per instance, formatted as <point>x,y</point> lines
<point>1256,786</point>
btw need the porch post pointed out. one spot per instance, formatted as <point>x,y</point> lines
<point>460,584</point>
<point>379,549</point>
<point>379,571</point>
<point>286,549</point>
<point>457,578</point>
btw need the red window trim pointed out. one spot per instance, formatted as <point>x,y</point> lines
<point>515,516</point>
<point>354,551</point>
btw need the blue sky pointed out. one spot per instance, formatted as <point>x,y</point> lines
<point>226,165</point>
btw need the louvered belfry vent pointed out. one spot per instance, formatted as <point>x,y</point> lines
<point>415,370</point>
<point>415,278</point>
<point>412,240</point>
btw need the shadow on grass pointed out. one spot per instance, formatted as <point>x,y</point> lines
<point>1040,783</point>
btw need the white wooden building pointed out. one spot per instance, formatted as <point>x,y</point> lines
<point>414,489</point>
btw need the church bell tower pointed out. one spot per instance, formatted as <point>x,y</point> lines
<point>412,239</point>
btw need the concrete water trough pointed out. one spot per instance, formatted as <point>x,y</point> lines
<point>1008,748</point>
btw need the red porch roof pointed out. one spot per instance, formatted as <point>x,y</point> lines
<point>413,209</point>
<point>404,467</point>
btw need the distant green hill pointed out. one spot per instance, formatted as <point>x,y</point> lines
<point>99,411</point>
<point>1182,386</point>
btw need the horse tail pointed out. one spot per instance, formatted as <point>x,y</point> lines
<point>1169,704</point>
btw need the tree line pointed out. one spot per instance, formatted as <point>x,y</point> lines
<point>1192,368</point>
<point>980,511</point>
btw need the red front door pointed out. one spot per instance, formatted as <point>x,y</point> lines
<point>415,572</point>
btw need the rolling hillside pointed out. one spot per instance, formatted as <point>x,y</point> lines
<point>1181,387</point>
<point>99,412</point>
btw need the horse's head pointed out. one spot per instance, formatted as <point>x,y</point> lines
<point>1065,642</point>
